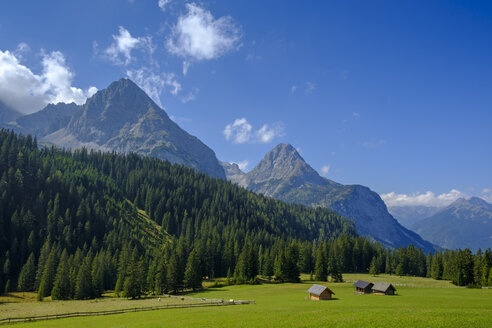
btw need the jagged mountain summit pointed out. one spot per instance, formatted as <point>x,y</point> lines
<point>466,223</point>
<point>283,174</point>
<point>121,118</point>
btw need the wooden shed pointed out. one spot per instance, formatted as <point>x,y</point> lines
<point>320,293</point>
<point>383,288</point>
<point>363,287</point>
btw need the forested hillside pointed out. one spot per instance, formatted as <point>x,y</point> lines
<point>75,224</point>
<point>84,207</point>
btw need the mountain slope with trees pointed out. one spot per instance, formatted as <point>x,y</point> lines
<point>114,218</point>
<point>283,174</point>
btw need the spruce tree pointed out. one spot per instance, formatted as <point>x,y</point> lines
<point>27,275</point>
<point>161,276</point>
<point>49,274</point>
<point>321,265</point>
<point>174,281</point>
<point>193,277</point>
<point>373,268</point>
<point>436,267</point>
<point>61,286</point>
<point>83,286</point>
<point>334,268</point>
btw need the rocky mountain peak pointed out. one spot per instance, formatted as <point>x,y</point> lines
<point>283,162</point>
<point>475,203</point>
<point>123,118</point>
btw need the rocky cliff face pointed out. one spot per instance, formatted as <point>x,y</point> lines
<point>48,120</point>
<point>463,224</point>
<point>124,119</point>
<point>283,174</point>
<point>234,173</point>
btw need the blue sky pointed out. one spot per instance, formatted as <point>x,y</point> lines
<point>395,95</point>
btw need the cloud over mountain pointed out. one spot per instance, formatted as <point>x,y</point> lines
<point>425,199</point>
<point>241,131</point>
<point>28,92</point>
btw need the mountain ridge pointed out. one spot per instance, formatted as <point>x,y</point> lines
<point>123,118</point>
<point>465,223</point>
<point>283,174</point>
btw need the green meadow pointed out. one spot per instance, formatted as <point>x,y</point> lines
<point>420,302</point>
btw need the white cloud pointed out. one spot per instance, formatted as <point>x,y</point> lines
<point>190,96</point>
<point>186,66</point>
<point>487,194</point>
<point>293,89</point>
<point>163,3</point>
<point>27,92</point>
<point>243,165</point>
<point>199,36</point>
<point>266,134</point>
<point>310,87</point>
<point>241,131</point>
<point>374,144</point>
<point>252,57</point>
<point>356,114</point>
<point>154,84</point>
<point>22,48</point>
<point>120,51</point>
<point>325,169</point>
<point>425,199</point>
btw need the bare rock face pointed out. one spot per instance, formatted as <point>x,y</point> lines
<point>124,119</point>
<point>48,120</point>
<point>283,174</point>
<point>234,173</point>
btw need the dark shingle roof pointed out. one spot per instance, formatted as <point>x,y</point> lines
<point>318,289</point>
<point>382,286</point>
<point>362,284</point>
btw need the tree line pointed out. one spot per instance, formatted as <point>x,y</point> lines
<point>74,224</point>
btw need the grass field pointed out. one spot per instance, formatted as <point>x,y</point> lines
<point>25,304</point>
<point>420,303</point>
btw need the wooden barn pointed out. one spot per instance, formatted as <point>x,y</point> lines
<point>320,293</point>
<point>363,287</point>
<point>383,288</point>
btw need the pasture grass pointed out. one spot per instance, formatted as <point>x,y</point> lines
<point>420,302</point>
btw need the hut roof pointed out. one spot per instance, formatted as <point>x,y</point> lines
<point>318,290</point>
<point>382,286</point>
<point>363,284</point>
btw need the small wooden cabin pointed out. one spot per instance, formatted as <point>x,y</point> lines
<point>320,293</point>
<point>363,287</point>
<point>383,288</point>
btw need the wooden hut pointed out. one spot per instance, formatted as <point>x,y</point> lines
<point>363,287</point>
<point>383,288</point>
<point>320,293</point>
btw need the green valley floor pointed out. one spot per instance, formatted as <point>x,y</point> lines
<point>420,302</point>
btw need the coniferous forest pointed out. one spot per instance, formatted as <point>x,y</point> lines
<point>75,224</point>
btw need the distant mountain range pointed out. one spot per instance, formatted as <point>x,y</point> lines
<point>124,119</point>
<point>411,214</point>
<point>463,224</point>
<point>283,174</point>
<point>120,118</point>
